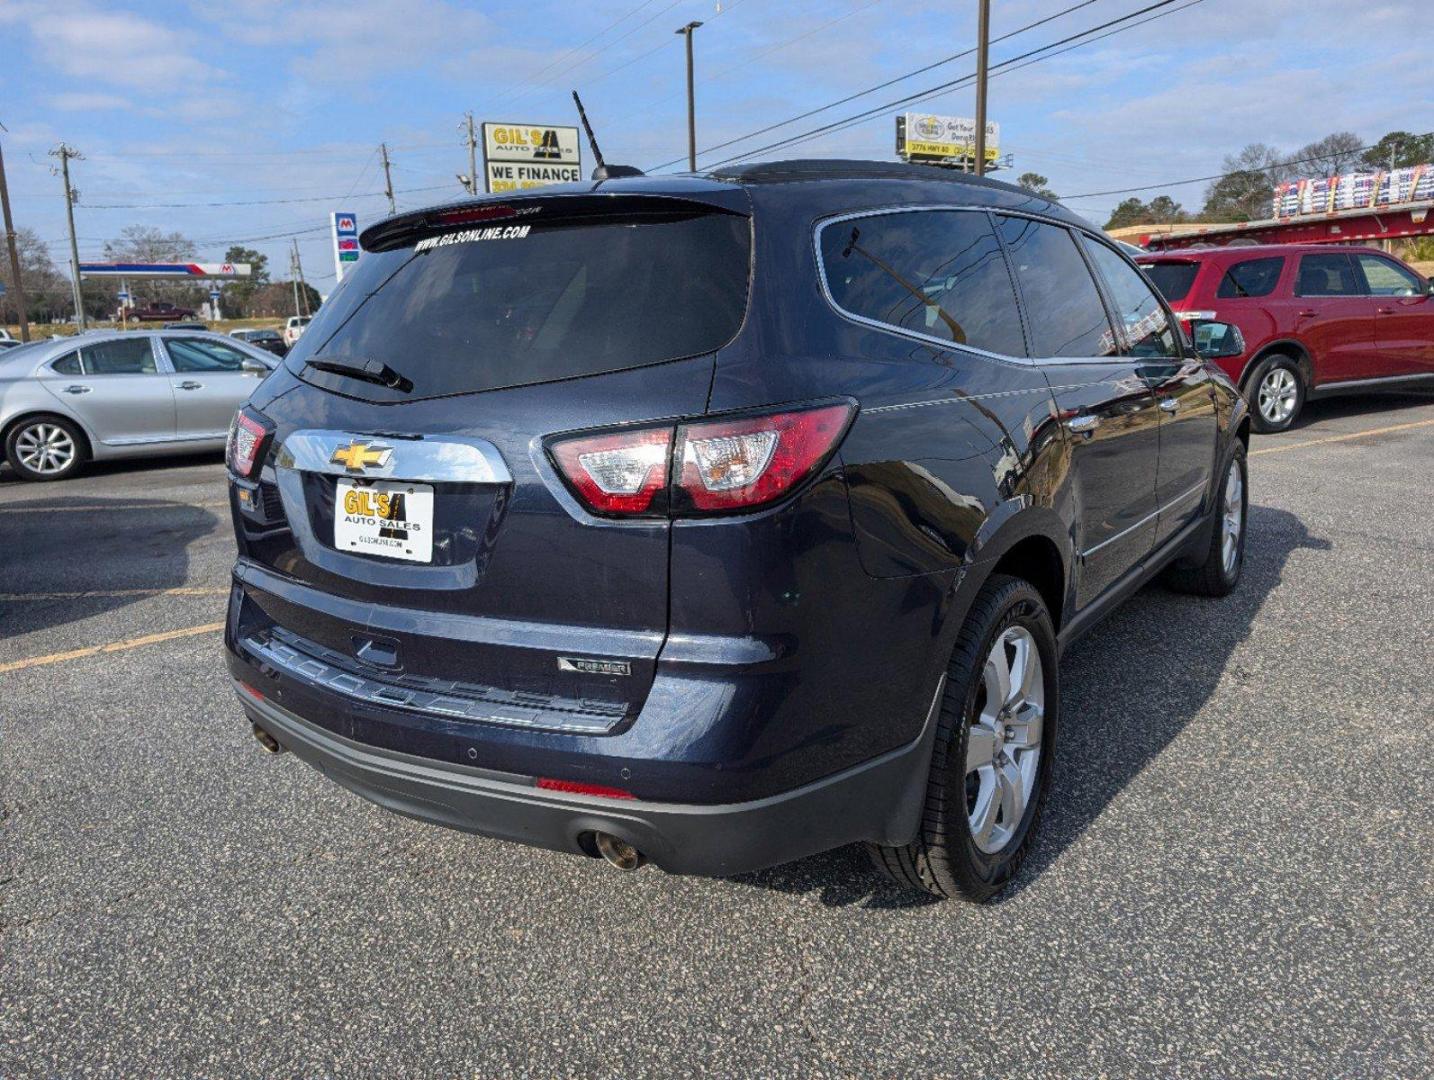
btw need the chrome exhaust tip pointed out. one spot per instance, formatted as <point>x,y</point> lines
<point>619,852</point>
<point>267,741</point>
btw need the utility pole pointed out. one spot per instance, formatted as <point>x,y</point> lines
<point>387,180</point>
<point>301,286</point>
<point>64,153</point>
<point>16,283</point>
<point>294,274</point>
<point>983,45</point>
<point>686,31</point>
<point>471,184</point>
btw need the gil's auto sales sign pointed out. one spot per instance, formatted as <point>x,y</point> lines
<point>521,156</point>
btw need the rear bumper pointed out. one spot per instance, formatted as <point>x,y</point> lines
<point>878,800</point>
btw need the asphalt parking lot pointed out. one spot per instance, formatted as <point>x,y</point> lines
<point>1235,878</point>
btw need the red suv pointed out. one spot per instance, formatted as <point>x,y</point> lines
<point>1316,319</point>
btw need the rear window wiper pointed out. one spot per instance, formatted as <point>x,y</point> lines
<point>374,371</point>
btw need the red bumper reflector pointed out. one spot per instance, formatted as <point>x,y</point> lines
<point>572,787</point>
<point>251,691</point>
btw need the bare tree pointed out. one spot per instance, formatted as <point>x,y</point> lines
<point>1331,156</point>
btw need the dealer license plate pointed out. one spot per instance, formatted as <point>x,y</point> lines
<point>392,518</point>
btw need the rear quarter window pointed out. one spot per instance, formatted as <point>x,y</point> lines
<point>1251,278</point>
<point>1173,279</point>
<point>486,308</point>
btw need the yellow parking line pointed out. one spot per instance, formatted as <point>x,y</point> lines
<point>113,646</point>
<point>1341,438</point>
<point>21,508</point>
<point>181,590</point>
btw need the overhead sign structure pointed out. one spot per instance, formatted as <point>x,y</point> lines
<point>200,270</point>
<point>346,243</point>
<point>517,157</point>
<point>924,138</point>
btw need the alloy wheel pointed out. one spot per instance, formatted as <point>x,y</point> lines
<point>1277,394</point>
<point>45,448</point>
<point>1233,519</point>
<point>1003,743</point>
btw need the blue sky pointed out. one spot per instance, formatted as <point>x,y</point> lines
<point>177,103</point>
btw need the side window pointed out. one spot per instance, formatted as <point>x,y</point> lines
<point>934,272</point>
<point>1327,275</point>
<point>120,356</point>
<point>1253,277</point>
<point>69,364</point>
<point>198,354</point>
<point>1388,279</point>
<point>1063,306</point>
<point>1146,327</point>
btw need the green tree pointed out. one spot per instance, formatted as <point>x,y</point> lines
<point>238,295</point>
<point>1163,210</point>
<point>1131,212</point>
<point>1400,149</point>
<point>1037,184</point>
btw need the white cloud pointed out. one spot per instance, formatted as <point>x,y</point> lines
<point>88,102</point>
<point>119,48</point>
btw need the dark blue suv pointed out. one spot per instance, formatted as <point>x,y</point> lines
<point>720,520</point>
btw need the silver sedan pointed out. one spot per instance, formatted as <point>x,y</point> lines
<point>109,395</point>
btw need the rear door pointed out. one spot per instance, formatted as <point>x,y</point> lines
<point>1183,391</point>
<point>1108,409</point>
<point>1334,316</point>
<point>490,584</point>
<point>209,383</point>
<point>1403,316</point>
<point>119,393</point>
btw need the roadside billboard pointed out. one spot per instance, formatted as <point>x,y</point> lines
<point>924,138</point>
<point>521,156</point>
<point>346,245</point>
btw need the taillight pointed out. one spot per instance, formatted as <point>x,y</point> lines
<point>248,433</point>
<point>722,466</point>
<point>749,462</point>
<point>576,787</point>
<point>619,472</point>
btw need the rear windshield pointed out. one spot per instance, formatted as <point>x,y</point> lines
<point>490,306</point>
<point>1173,279</point>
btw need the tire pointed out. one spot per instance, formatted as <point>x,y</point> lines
<point>1219,571</point>
<point>965,845</point>
<point>1276,394</point>
<point>43,448</point>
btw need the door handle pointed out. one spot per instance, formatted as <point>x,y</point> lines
<point>1308,313</point>
<point>1385,310</point>
<point>190,384</point>
<point>77,389</point>
<point>1170,404</point>
<point>1083,425</point>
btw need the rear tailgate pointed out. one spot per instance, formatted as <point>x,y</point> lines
<point>413,546</point>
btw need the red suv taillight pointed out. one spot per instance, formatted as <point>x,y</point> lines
<point>249,433</point>
<point>700,467</point>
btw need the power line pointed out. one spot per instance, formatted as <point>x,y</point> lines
<point>879,86</point>
<point>1001,68</point>
<point>532,79</point>
<point>265,202</point>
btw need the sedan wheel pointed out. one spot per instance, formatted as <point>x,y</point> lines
<point>44,450</point>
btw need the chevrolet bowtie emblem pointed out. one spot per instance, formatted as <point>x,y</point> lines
<point>358,456</point>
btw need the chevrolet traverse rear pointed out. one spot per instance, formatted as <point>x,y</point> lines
<point>616,519</point>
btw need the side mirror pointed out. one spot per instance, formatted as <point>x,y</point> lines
<point>253,367</point>
<point>1214,340</point>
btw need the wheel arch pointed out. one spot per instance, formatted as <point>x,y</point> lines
<point>1288,347</point>
<point>1035,545</point>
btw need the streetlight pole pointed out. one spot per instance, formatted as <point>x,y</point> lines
<point>686,31</point>
<point>983,44</point>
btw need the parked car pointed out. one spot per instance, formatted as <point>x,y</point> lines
<point>294,328</point>
<point>5,335</point>
<point>1316,319</point>
<point>718,521</point>
<point>112,394</point>
<point>160,311</point>
<point>269,340</point>
<point>8,343</point>
<point>186,326</point>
